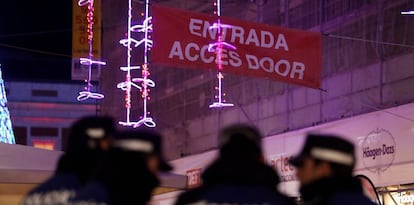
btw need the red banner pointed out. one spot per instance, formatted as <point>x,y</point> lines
<point>182,38</point>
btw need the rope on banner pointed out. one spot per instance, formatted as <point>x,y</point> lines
<point>142,83</point>
<point>88,93</point>
<point>217,48</point>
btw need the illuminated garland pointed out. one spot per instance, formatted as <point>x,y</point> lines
<point>217,47</point>
<point>6,131</point>
<point>143,83</point>
<point>87,93</point>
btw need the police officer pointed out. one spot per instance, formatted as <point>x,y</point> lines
<point>239,175</point>
<point>130,171</point>
<point>324,170</point>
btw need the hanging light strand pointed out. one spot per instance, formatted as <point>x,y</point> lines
<point>145,81</point>
<point>142,83</point>
<point>217,47</point>
<point>87,93</point>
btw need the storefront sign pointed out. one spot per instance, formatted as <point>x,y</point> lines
<point>194,178</point>
<point>184,39</point>
<point>398,197</point>
<point>80,46</point>
<point>280,163</point>
<point>378,150</point>
<point>406,198</point>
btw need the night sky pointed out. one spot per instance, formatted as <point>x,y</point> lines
<point>36,39</point>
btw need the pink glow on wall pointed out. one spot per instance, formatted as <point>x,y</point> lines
<point>143,83</point>
<point>87,93</point>
<point>217,47</point>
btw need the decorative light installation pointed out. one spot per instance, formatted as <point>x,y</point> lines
<point>87,93</point>
<point>6,131</point>
<point>143,83</point>
<point>217,47</point>
<point>407,12</point>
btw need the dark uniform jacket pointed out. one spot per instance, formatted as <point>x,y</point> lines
<point>123,179</point>
<point>227,182</point>
<point>55,191</point>
<point>334,191</point>
<point>69,176</point>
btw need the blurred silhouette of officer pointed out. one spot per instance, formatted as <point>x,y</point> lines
<point>239,175</point>
<point>324,169</point>
<point>130,172</point>
<point>88,140</point>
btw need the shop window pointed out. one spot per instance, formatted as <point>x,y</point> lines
<point>402,194</point>
<point>20,135</point>
<point>44,93</point>
<point>44,144</point>
<point>44,131</point>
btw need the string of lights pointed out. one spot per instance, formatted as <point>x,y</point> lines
<point>87,93</point>
<point>143,83</point>
<point>6,131</point>
<point>217,48</point>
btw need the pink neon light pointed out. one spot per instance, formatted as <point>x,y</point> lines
<point>127,42</point>
<point>146,26</point>
<point>212,47</point>
<point>87,61</point>
<point>142,83</point>
<point>130,68</point>
<point>147,82</point>
<point>84,95</point>
<point>84,2</point>
<point>407,12</point>
<point>217,25</point>
<point>217,47</point>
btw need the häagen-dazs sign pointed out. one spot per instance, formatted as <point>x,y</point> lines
<point>378,150</point>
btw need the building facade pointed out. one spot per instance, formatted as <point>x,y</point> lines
<point>367,54</point>
<point>42,112</point>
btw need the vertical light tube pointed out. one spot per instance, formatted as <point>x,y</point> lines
<point>218,48</point>
<point>142,83</point>
<point>88,93</point>
<point>145,71</point>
